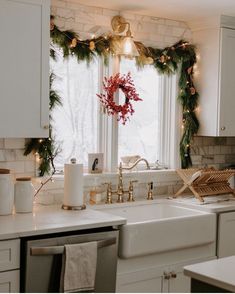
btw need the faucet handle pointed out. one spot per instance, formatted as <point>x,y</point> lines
<point>150,191</point>
<point>130,191</point>
<point>108,193</point>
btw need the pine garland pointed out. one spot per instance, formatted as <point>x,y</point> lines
<point>181,56</point>
<point>46,148</point>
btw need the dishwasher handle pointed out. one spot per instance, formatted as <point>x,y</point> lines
<point>53,250</point>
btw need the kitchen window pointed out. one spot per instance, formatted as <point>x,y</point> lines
<point>80,126</point>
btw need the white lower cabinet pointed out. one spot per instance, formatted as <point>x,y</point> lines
<point>178,282</point>
<point>9,266</point>
<point>152,280</point>
<point>10,282</point>
<point>160,279</point>
<point>149,280</point>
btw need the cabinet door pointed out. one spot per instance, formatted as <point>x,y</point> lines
<point>226,124</point>
<point>24,68</point>
<point>10,282</point>
<point>179,284</point>
<point>143,281</point>
<point>226,235</point>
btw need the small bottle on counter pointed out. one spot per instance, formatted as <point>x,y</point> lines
<point>95,193</point>
<point>24,192</point>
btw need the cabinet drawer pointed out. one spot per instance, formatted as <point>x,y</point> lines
<point>9,255</point>
<point>10,282</point>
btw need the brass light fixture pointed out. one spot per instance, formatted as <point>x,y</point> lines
<point>127,46</point>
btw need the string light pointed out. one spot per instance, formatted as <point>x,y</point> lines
<point>40,140</point>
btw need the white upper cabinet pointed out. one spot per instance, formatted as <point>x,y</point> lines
<point>214,77</point>
<point>24,68</point>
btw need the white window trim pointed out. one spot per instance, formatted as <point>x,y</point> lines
<point>169,153</point>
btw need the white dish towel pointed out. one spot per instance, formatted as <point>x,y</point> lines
<point>79,267</point>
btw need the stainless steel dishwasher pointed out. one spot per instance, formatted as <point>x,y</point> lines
<point>42,259</point>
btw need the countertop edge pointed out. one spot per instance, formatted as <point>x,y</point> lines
<point>209,280</point>
<point>22,234</point>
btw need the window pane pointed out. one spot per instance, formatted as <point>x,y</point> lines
<point>141,135</point>
<point>75,124</point>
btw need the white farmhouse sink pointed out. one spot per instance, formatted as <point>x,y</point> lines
<point>159,227</point>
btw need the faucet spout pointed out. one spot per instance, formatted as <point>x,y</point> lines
<point>135,164</point>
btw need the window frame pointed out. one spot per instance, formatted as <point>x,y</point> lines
<point>108,125</point>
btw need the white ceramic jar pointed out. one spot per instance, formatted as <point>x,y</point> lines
<point>6,192</point>
<point>24,195</point>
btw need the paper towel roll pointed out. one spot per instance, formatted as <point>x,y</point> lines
<point>73,185</point>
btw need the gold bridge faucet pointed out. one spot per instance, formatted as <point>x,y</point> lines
<point>120,192</point>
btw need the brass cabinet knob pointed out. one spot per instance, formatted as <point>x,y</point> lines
<point>173,275</point>
<point>223,128</point>
<point>46,127</point>
<point>166,276</point>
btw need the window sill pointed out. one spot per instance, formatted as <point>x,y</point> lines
<point>160,177</point>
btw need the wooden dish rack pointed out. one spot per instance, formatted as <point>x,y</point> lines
<point>206,182</point>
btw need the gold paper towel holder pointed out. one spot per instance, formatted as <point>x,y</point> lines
<point>67,207</point>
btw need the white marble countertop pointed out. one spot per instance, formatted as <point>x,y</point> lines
<point>214,204</point>
<point>218,272</point>
<point>53,219</point>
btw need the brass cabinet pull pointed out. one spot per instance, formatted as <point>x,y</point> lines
<point>173,275</point>
<point>167,276</point>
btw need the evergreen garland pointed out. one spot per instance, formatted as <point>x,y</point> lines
<point>46,148</point>
<point>181,56</point>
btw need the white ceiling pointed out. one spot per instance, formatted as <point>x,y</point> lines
<point>185,10</point>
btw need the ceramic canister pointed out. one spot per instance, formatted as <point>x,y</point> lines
<point>6,192</point>
<point>24,195</point>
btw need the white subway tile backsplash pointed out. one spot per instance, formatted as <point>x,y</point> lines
<point>15,166</point>
<point>1,143</point>
<point>29,166</point>
<point>2,155</point>
<point>10,155</point>
<point>14,143</point>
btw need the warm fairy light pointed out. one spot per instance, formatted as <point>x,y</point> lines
<point>197,109</point>
<point>187,145</point>
<point>93,36</point>
<point>198,57</point>
<point>182,126</point>
<point>40,140</point>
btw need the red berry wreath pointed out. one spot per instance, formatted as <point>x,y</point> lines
<point>111,85</point>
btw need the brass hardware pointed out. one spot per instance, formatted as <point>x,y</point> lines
<point>150,191</point>
<point>109,194</point>
<point>120,192</point>
<point>67,207</point>
<point>118,24</point>
<point>173,275</point>
<point>166,276</point>
<point>46,127</point>
<point>137,161</point>
<point>131,190</point>
<point>223,128</point>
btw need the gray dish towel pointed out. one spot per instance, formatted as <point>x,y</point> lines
<point>79,267</point>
